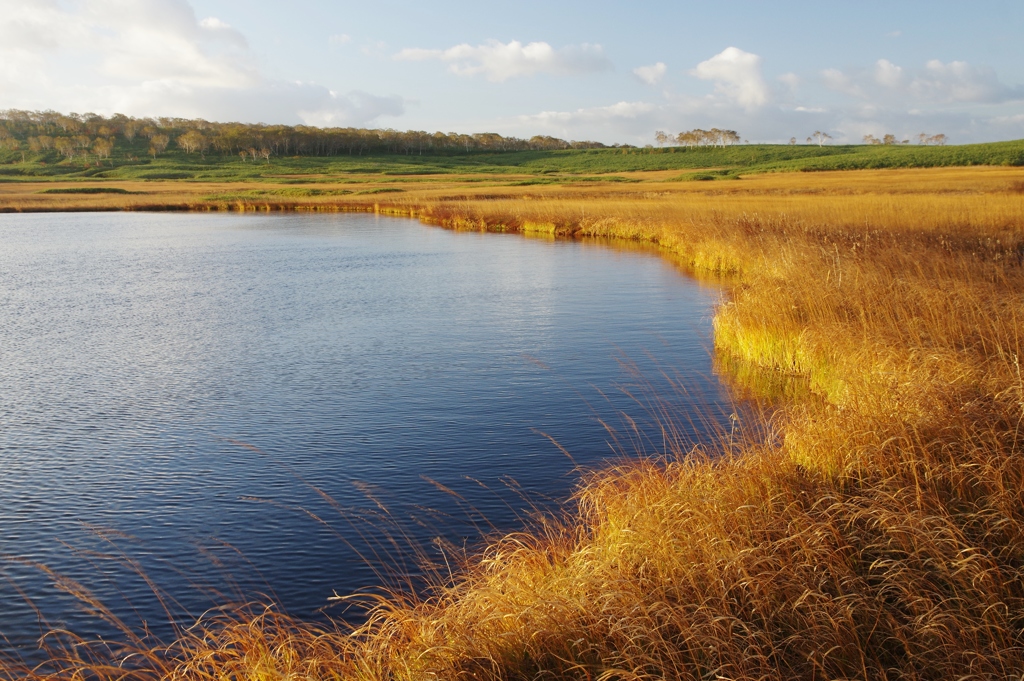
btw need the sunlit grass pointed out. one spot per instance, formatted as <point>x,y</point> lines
<point>876,531</point>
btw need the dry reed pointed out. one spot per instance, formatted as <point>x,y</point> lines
<point>880,535</point>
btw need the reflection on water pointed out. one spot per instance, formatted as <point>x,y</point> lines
<point>221,398</point>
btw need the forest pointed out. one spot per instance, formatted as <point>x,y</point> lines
<point>74,135</point>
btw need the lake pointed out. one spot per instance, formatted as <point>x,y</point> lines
<point>254,406</point>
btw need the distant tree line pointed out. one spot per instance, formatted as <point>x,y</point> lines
<point>698,137</point>
<point>73,135</point>
<point>822,138</point>
<point>923,138</point>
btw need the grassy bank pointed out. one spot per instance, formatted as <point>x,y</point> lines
<point>877,532</point>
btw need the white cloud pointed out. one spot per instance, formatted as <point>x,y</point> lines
<point>636,121</point>
<point>935,83</point>
<point>223,31</point>
<point>888,74</point>
<point>740,89</point>
<point>652,74</point>
<point>834,79</point>
<point>958,81</point>
<point>354,109</point>
<point>152,57</point>
<point>501,61</point>
<point>887,98</point>
<point>145,40</point>
<point>621,110</point>
<point>737,76</point>
<point>790,80</point>
<point>1017,119</point>
<point>622,121</point>
<point>894,34</point>
<point>30,24</point>
<point>157,57</point>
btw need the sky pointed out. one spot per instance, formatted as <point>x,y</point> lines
<point>580,70</point>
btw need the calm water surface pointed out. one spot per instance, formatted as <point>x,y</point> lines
<point>226,400</point>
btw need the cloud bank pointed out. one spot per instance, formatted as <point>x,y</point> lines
<point>885,97</point>
<point>154,57</point>
<point>499,61</point>
<point>955,82</point>
<point>157,57</point>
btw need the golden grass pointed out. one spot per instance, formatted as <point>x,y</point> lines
<point>878,533</point>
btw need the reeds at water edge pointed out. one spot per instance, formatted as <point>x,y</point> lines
<point>878,535</point>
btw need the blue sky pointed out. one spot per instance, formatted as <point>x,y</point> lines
<point>610,71</point>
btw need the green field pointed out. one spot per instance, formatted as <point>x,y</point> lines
<point>131,162</point>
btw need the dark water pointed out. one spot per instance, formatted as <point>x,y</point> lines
<point>178,390</point>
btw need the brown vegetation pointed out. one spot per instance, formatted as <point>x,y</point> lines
<point>878,532</point>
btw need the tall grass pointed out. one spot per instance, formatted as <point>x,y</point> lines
<point>877,533</point>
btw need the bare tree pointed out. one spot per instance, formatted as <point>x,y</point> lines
<point>131,129</point>
<point>792,140</point>
<point>14,145</point>
<point>729,137</point>
<point>102,147</point>
<point>925,138</point>
<point>157,144</point>
<point>714,136</point>
<point>661,138</point>
<point>822,138</point>
<point>871,139</point>
<point>68,123</point>
<point>193,141</point>
<point>65,147</point>
<point>687,139</point>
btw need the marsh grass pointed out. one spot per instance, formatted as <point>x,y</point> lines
<point>877,537</point>
<point>873,529</point>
